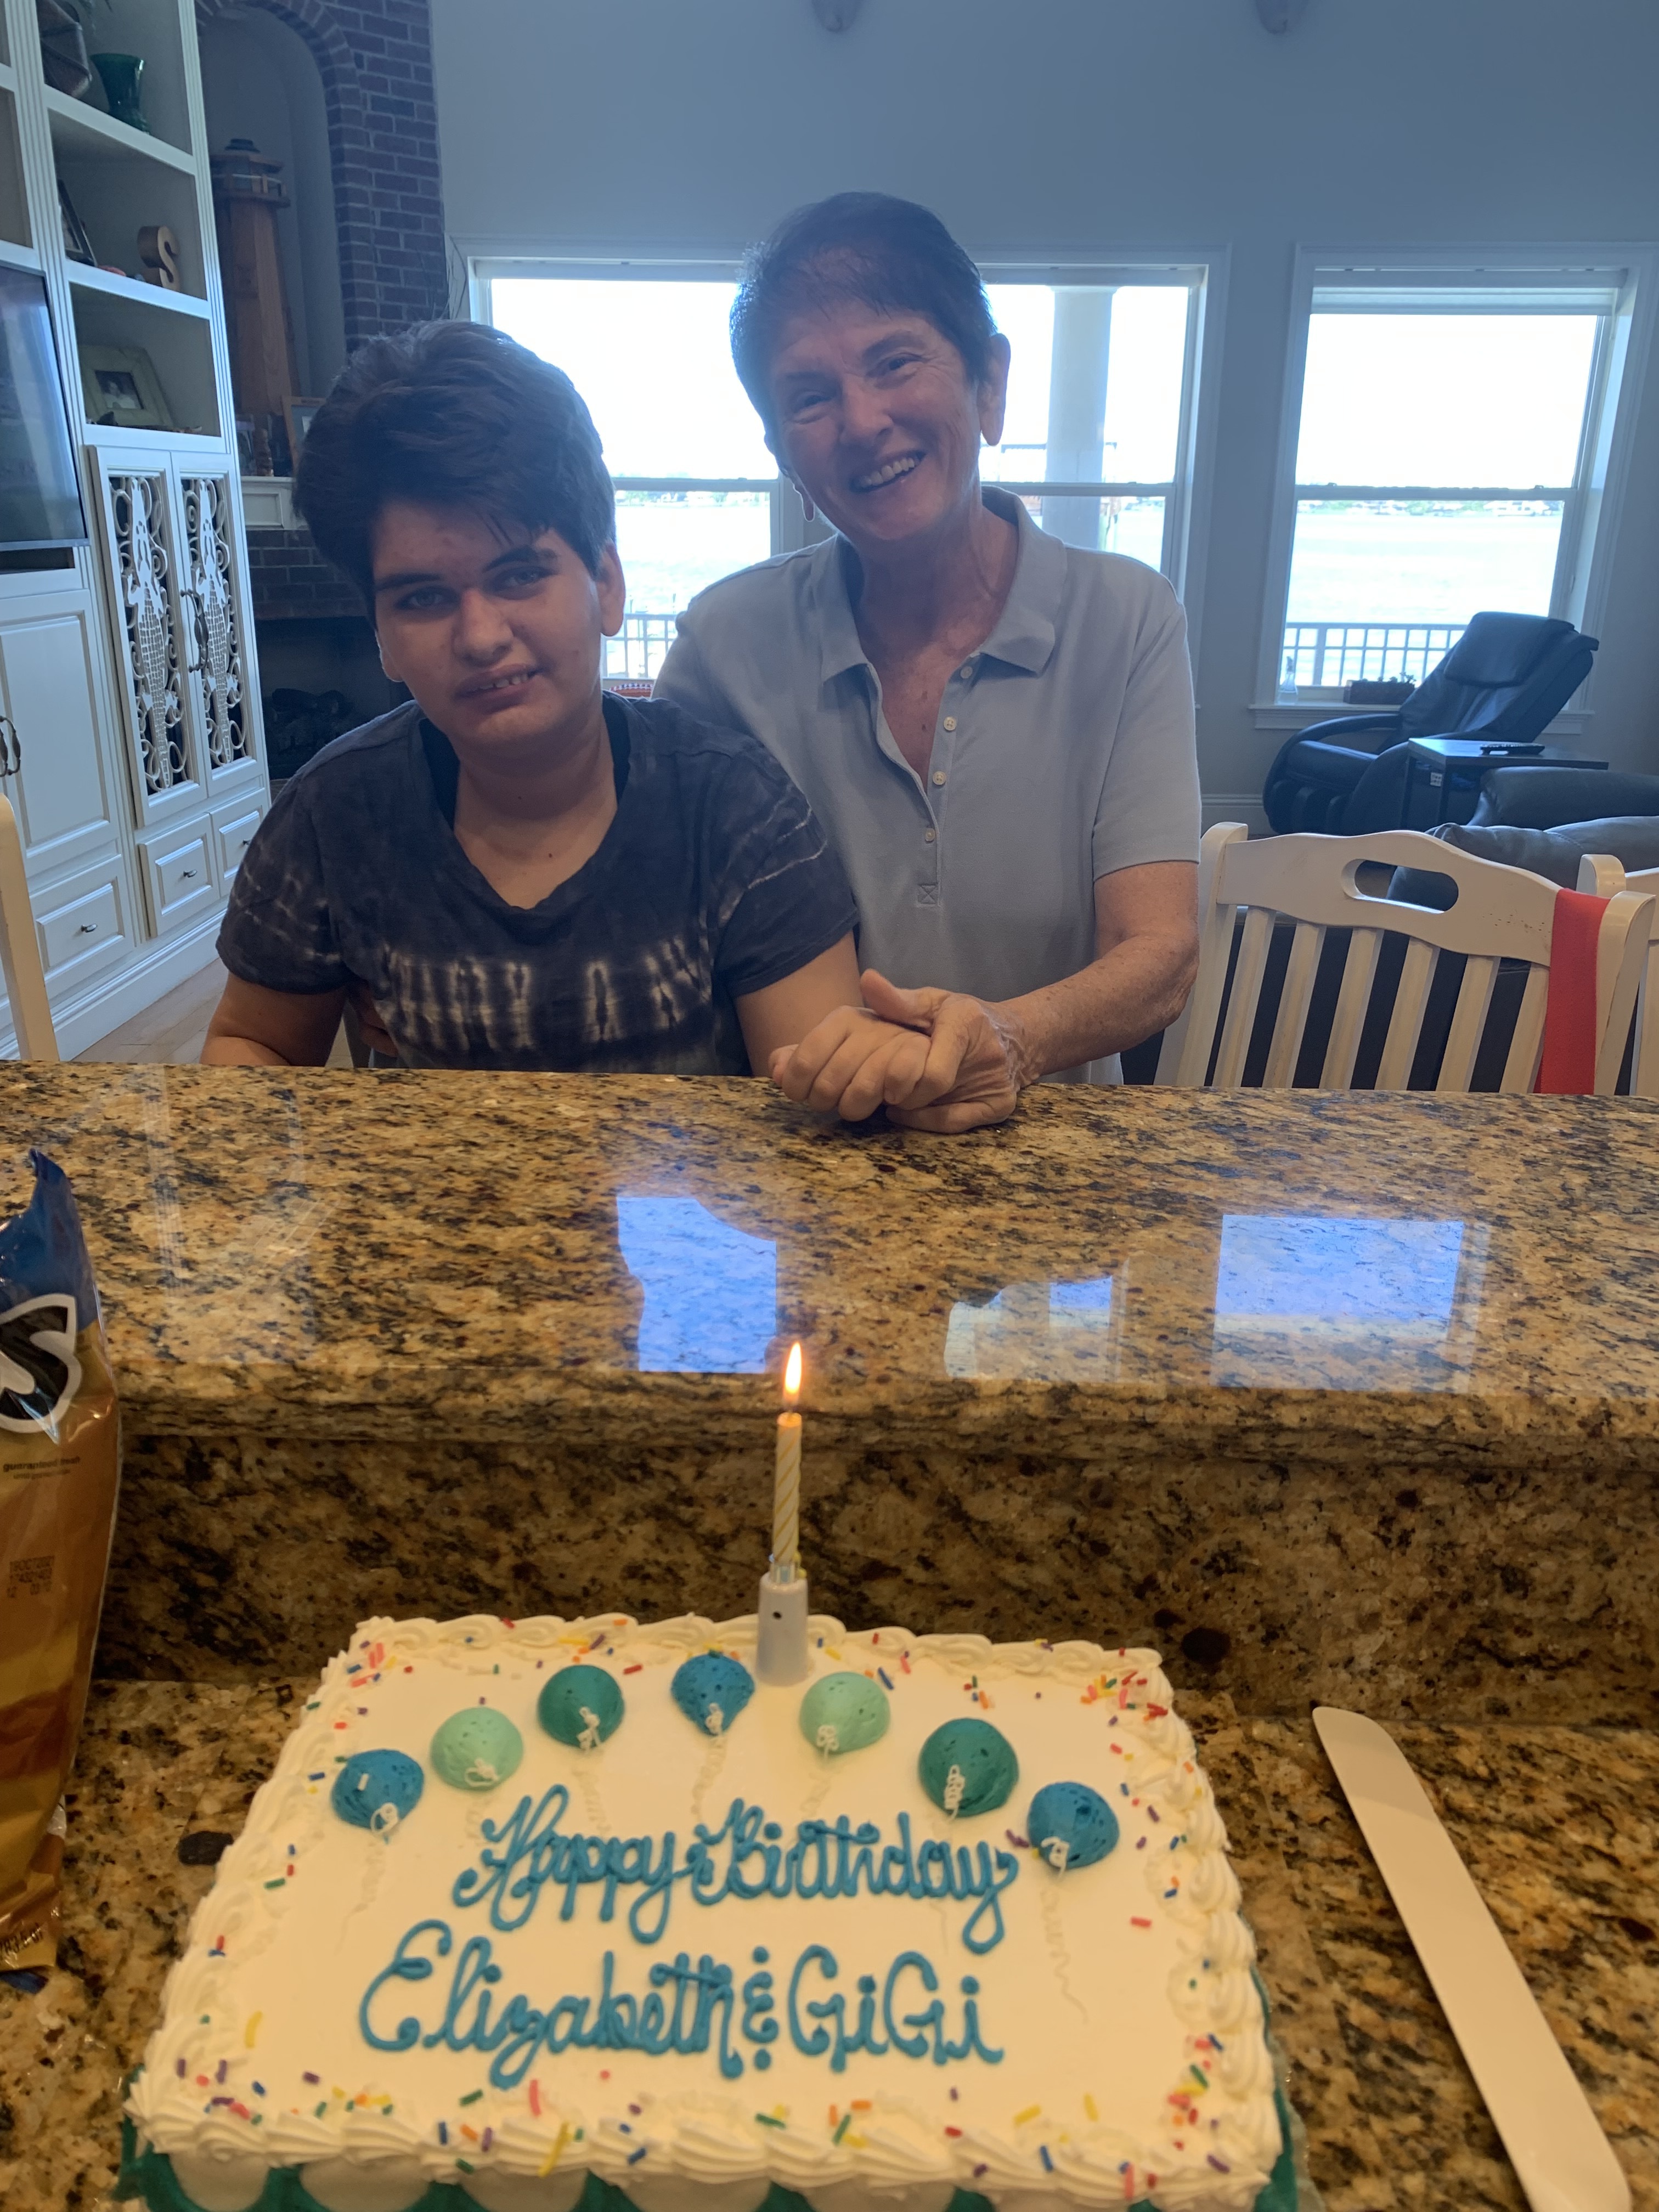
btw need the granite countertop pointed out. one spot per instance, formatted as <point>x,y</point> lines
<point>306,1253</point>
<point>1557,1824</point>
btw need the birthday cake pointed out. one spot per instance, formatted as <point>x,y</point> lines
<point>529,1910</point>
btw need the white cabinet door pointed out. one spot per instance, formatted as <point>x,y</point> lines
<point>52,771</point>
<point>148,564</point>
<point>217,688</point>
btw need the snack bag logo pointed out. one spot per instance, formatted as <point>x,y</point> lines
<point>40,1373</point>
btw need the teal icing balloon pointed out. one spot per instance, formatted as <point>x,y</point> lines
<point>843,1712</point>
<point>711,1689</point>
<point>476,1748</point>
<point>377,1788</point>
<point>1071,1825</point>
<point>581,1706</point>
<point>968,1767</point>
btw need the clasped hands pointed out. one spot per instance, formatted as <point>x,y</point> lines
<point>936,1060</point>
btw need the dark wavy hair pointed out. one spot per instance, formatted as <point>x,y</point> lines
<point>885,253</point>
<point>452,415</point>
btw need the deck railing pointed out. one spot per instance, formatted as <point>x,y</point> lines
<point>1324,656</point>
<point>641,647</point>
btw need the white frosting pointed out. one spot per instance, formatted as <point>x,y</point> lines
<point>1133,2064</point>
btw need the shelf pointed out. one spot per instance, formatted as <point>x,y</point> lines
<point>129,288</point>
<point>189,445</point>
<point>86,134</point>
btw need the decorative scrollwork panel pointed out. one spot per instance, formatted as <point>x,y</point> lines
<point>211,590</point>
<point>138,507</point>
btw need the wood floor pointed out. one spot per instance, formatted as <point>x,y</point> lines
<point>174,1029</point>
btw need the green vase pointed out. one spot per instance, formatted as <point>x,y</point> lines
<point>123,74</point>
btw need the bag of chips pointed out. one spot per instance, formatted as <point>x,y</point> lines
<point>59,1469</point>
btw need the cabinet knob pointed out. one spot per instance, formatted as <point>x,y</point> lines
<point>88,929</point>
<point>184,874</point>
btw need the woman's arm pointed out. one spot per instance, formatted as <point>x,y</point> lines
<point>959,1062</point>
<point>775,1019</point>
<point>252,1027</point>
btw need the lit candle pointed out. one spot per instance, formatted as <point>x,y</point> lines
<point>786,1488</point>
<point>780,1610</point>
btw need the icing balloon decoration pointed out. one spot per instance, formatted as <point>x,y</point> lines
<point>581,1706</point>
<point>968,1767</point>
<point>711,1689</point>
<point>477,1749</point>
<point>844,1712</point>
<point>377,1790</point>
<point>1071,1825</point>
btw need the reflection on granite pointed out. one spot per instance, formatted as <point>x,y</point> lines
<point>424,1254</point>
<point>1558,1825</point>
<point>1348,1396</point>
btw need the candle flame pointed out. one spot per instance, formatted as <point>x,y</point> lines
<point>792,1373</point>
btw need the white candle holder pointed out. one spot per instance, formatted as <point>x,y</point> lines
<point>781,1640</point>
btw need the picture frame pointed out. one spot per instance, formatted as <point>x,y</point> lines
<point>77,246</point>
<point>299,414</point>
<point>119,387</point>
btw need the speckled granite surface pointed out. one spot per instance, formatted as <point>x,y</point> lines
<point>1556,1823</point>
<point>307,1253</point>
<point>1350,1397</point>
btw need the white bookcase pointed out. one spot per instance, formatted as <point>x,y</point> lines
<point>131,744</point>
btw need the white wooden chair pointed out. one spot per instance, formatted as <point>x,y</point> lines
<point>20,949</point>
<point>1500,914</point>
<point>1601,874</point>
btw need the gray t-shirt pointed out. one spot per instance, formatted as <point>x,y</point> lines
<point>712,881</point>
<point>1064,751</point>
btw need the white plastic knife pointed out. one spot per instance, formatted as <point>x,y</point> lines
<point>1561,2157</point>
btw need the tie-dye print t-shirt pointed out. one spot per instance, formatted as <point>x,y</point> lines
<point>714,880</point>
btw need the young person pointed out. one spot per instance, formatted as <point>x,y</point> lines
<point>514,869</point>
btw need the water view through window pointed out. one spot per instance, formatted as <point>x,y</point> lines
<point>1437,455</point>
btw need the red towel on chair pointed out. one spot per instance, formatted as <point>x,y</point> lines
<point>1569,1061</point>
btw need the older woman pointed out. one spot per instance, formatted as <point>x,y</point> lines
<point>995,728</point>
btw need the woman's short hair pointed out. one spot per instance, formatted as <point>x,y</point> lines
<point>452,415</point>
<point>885,253</point>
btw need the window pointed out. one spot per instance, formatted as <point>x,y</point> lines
<point>1449,445</point>
<point>1097,442</point>
<point>1098,401</point>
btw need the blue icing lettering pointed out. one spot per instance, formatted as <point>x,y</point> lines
<point>744,1857</point>
<point>688,2009</point>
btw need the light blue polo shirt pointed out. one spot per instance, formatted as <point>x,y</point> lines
<point>1063,750</point>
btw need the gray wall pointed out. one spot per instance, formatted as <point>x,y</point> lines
<point>1089,126</point>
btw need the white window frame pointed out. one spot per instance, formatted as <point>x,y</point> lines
<point>1185,496</point>
<point>1515,278</point>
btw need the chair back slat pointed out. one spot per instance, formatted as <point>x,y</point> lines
<point>1621,949</point>
<point>1635,981</point>
<point>1526,1045</point>
<point>1644,1067</point>
<point>1468,1023</point>
<point>1358,974</point>
<point>1499,914</point>
<point>1411,1003</point>
<point>1294,1001</point>
<point>1253,941</point>
<point>20,949</point>
<point>1184,1056</point>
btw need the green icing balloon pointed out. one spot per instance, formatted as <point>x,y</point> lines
<point>968,1767</point>
<point>844,1712</point>
<point>581,1706</point>
<point>477,1749</point>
